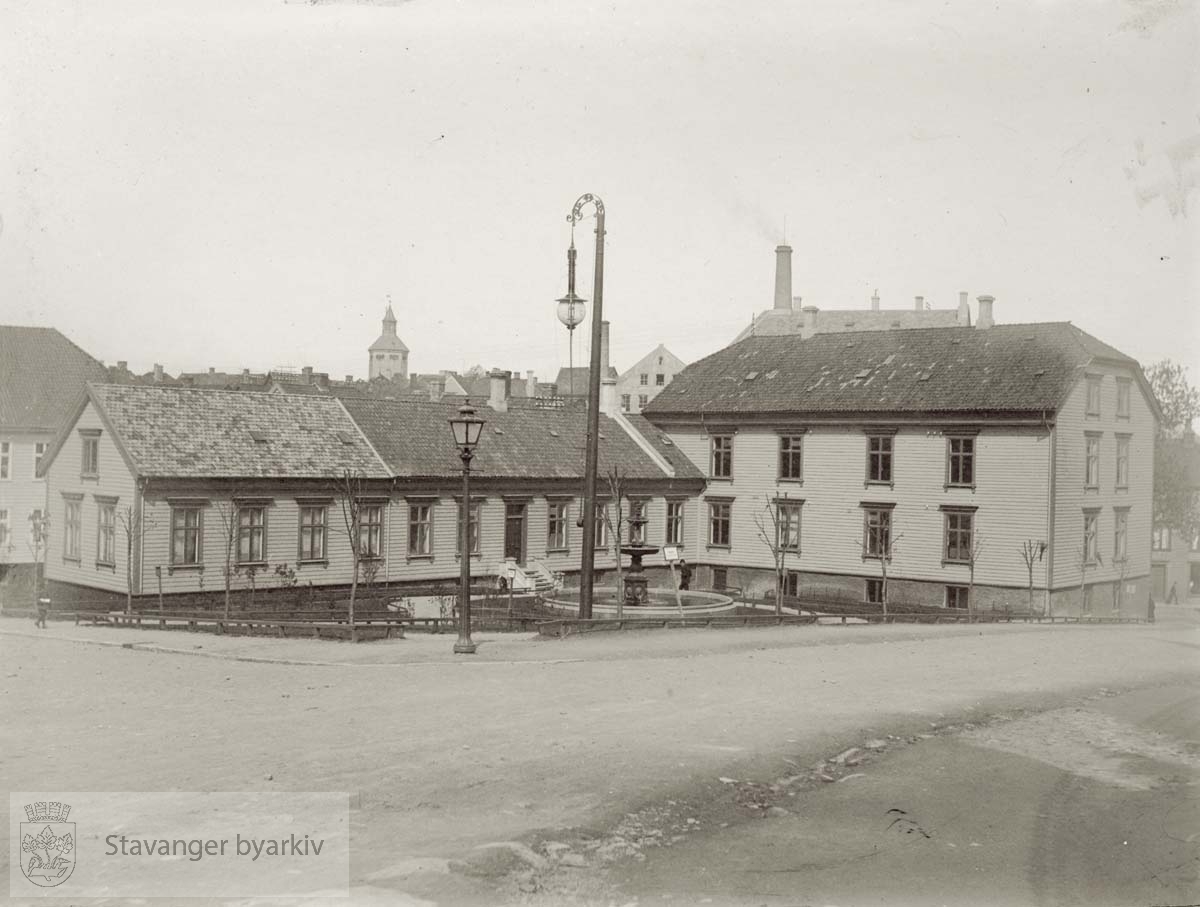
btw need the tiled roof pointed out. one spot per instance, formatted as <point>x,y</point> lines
<point>778,322</point>
<point>1006,368</point>
<point>42,376</point>
<point>576,380</point>
<point>207,433</point>
<point>413,437</point>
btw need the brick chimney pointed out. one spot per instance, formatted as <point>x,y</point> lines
<point>783,277</point>
<point>307,373</point>
<point>964,309</point>
<point>530,384</point>
<point>158,372</point>
<point>985,312</point>
<point>875,301</point>
<point>919,304</point>
<point>499,390</point>
<point>436,387</point>
<point>810,321</point>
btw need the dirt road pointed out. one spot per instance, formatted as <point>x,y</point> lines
<point>541,741</point>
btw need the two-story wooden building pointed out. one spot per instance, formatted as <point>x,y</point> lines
<point>934,455</point>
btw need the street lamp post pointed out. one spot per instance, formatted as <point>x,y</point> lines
<point>588,557</point>
<point>571,312</point>
<point>466,428</point>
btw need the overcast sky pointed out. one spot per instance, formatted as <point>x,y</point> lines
<point>244,183</point>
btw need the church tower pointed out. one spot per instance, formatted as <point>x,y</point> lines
<point>388,354</point>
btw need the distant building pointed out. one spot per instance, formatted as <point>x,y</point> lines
<point>641,383</point>
<point>42,379</point>
<point>789,316</point>
<point>388,354</point>
<point>1174,558</point>
<point>574,382</point>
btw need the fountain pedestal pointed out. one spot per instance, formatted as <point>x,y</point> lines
<point>636,583</point>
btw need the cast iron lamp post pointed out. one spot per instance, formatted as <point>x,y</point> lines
<point>588,555</point>
<point>571,311</point>
<point>466,428</point>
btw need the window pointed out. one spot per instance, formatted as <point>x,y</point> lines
<point>720,578</point>
<point>956,597</point>
<point>420,529</point>
<point>674,534</point>
<point>791,584</point>
<point>71,530</point>
<point>643,399</point>
<point>39,451</point>
<point>787,525</point>
<point>719,523</point>
<point>660,379</point>
<point>106,530</point>
<point>601,540</point>
<point>1160,538</point>
<point>879,459</point>
<point>637,522</point>
<point>312,532</point>
<point>370,530</point>
<point>791,458</point>
<point>1093,395</point>
<point>1120,534</point>
<point>252,534</point>
<point>877,531</point>
<point>37,529</point>
<point>959,535</point>
<point>1092,461</point>
<point>5,459</point>
<point>185,536</point>
<point>1087,599</point>
<point>960,462</point>
<point>5,529</point>
<point>875,591</point>
<point>1091,549</point>
<point>1123,398</point>
<point>643,379</point>
<point>722,457</point>
<point>625,403</point>
<point>90,465</point>
<point>472,526</point>
<point>1122,461</point>
<point>558,513</point>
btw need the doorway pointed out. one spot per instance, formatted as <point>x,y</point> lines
<point>514,531</point>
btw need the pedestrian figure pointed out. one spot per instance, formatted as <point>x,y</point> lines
<point>685,575</point>
<point>43,608</point>
<point>1150,609</point>
<point>1172,596</point>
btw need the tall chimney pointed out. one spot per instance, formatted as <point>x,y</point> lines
<point>530,384</point>
<point>603,349</point>
<point>349,379</point>
<point>499,390</point>
<point>875,301</point>
<point>436,387</point>
<point>964,309</point>
<point>919,304</point>
<point>810,321</point>
<point>212,370</point>
<point>307,373</point>
<point>158,372</point>
<point>783,277</point>
<point>245,374</point>
<point>122,365</point>
<point>985,311</point>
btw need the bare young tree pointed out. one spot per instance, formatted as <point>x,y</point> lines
<point>39,533</point>
<point>973,549</point>
<point>134,524</point>
<point>1086,559</point>
<point>614,526</point>
<point>881,545</point>
<point>1032,551</point>
<point>226,509</point>
<point>350,486</point>
<point>774,526</point>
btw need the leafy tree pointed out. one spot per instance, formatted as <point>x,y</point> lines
<point>1176,497</point>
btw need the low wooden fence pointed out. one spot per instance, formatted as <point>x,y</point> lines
<point>361,629</point>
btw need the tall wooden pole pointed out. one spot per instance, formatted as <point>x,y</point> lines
<point>588,557</point>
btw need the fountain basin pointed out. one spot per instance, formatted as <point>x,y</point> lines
<point>659,603</point>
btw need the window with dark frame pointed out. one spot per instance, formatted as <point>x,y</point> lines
<point>71,530</point>
<point>720,523</point>
<point>637,522</point>
<point>643,399</point>
<point>601,535</point>
<point>1123,385</point>
<point>791,584</point>
<point>959,536</point>
<point>370,530</point>
<point>1160,538</point>
<point>557,518</point>
<point>1093,395</point>
<point>625,402</point>
<point>879,459</point>
<point>90,465</point>
<point>252,533</point>
<point>5,459</point>
<point>877,532</point>
<point>1122,461</point>
<point>787,525</point>
<point>960,462</point>
<point>644,378</point>
<point>957,598</point>
<point>791,458</point>
<point>721,460</point>
<point>1092,461</point>
<point>674,532</point>
<point>39,451</point>
<point>185,535</point>
<point>660,379</point>
<point>720,578</point>
<point>312,532</point>
<point>420,528</point>
<point>106,531</point>
<point>874,592</point>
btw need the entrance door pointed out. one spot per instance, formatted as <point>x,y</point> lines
<point>514,532</point>
<point>1158,581</point>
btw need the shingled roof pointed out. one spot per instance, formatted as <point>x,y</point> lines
<point>413,437</point>
<point>42,375</point>
<point>777,322</point>
<point>208,433</point>
<point>1011,368</point>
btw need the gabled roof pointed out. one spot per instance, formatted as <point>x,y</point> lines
<point>1011,368</point>
<point>191,432</point>
<point>778,322</point>
<point>42,377</point>
<point>576,380</point>
<point>413,437</point>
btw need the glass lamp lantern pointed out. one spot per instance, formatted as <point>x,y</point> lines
<point>466,428</point>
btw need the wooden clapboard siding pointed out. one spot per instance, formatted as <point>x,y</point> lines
<point>20,494</point>
<point>1011,467</point>
<point>114,479</point>
<point>1072,498</point>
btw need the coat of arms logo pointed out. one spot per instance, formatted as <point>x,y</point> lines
<point>47,843</point>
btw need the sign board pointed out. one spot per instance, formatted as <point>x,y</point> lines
<point>671,553</point>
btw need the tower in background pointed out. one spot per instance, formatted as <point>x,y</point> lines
<point>388,356</point>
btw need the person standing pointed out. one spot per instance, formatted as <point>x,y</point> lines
<point>685,575</point>
<point>43,609</point>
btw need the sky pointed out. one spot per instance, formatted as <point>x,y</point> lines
<point>248,183</point>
